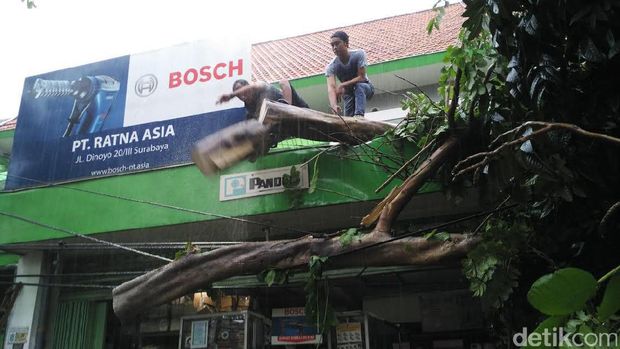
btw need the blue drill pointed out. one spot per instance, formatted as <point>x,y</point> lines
<point>93,95</point>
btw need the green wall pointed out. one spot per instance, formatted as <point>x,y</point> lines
<point>131,201</point>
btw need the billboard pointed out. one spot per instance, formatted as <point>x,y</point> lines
<point>130,113</point>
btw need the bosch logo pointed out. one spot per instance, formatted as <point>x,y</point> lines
<point>146,85</point>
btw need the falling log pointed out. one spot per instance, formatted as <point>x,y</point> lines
<point>291,121</point>
<point>231,145</point>
<point>278,121</point>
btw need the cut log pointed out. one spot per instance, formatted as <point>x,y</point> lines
<point>291,121</point>
<point>224,148</point>
<point>278,121</point>
<point>196,271</point>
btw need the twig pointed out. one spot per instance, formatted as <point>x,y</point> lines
<point>394,93</point>
<point>489,216</point>
<point>542,255</point>
<point>419,89</point>
<point>387,181</point>
<point>455,100</point>
<point>610,274</point>
<point>546,127</point>
<point>602,228</point>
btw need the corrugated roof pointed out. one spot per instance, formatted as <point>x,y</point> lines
<point>383,40</point>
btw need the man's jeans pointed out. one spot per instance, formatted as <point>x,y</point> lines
<point>355,99</point>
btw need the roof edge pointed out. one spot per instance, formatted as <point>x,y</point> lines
<point>378,68</point>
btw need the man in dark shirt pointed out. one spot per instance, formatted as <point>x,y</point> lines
<point>349,66</point>
<point>253,94</point>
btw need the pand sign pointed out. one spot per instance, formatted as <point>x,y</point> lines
<point>255,183</point>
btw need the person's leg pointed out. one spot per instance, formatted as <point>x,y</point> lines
<point>363,91</point>
<point>287,93</point>
<point>349,104</point>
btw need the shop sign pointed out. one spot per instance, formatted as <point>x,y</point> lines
<point>349,335</point>
<point>255,183</point>
<point>289,327</point>
<point>17,335</point>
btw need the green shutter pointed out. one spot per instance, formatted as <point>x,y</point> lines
<point>79,324</point>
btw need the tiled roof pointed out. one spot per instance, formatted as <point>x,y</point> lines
<point>383,40</point>
<point>8,125</point>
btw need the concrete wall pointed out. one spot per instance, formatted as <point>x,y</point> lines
<point>25,311</point>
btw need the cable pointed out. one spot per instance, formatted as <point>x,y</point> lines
<point>417,232</point>
<point>112,273</point>
<point>28,220</point>
<point>55,285</point>
<point>157,204</point>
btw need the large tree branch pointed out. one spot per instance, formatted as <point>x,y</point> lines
<point>374,249</point>
<point>388,209</point>
<point>484,158</point>
<point>197,271</point>
<point>277,121</point>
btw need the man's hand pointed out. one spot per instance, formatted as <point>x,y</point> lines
<point>224,98</point>
<point>336,110</point>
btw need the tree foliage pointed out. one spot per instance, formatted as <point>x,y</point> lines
<point>528,113</point>
<point>536,105</point>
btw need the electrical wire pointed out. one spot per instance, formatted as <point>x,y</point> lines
<point>172,207</point>
<point>55,284</point>
<point>66,231</point>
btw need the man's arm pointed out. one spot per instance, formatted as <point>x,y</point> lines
<point>251,88</point>
<point>361,77</point>
<point>332,94</point>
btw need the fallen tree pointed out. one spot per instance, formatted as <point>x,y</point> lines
<point>376,248</point>
<point>197,271</point>
<point>546,91</point>
<point>277,121</point>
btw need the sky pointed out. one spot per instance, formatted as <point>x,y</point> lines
<point>60,34</point>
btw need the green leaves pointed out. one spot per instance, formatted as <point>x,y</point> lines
<point>273,276</point>
<point>435,235</point>
<point>292,179</point>
<point>349,236</point>
<point>563,292</point>
<point>189,248</point>
<point>611,299</point>
<point>440,11</point>
<point>30,4</point>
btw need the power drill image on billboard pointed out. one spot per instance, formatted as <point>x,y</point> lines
<point>93,95</point>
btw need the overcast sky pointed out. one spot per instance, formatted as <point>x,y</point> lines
<point>60,34</point>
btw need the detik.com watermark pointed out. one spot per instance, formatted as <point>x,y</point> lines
<point>557,336</point>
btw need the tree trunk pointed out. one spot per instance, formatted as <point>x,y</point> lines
<point>250,139</point>
<point>195,271</point>
<point>290,121</point>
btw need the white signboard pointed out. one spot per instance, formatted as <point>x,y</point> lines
<point>276,180</point>
<point>184,80</point>
<point>17,335</point>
